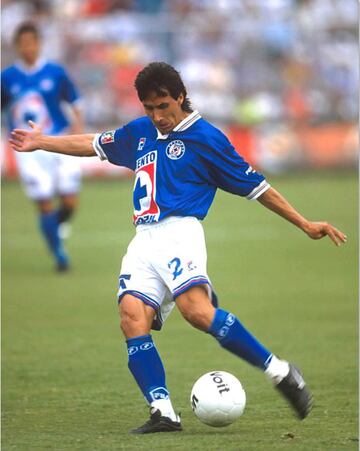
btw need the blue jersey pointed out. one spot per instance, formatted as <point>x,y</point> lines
<point>37,94</point>
<point>178,174</point>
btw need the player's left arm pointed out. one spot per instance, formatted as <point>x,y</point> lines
<point>275,202</point>
<point>77,122</point>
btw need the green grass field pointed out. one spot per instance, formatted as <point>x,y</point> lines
<point>65,382</point>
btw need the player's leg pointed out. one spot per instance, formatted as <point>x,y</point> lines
<point>145,364</point>
<point>67,207</point>
<point>37,176</point>
<point>141,295</point>
<point>186,276</point>
<point>68,187</point>
<point>195,305</point>
<point>49,226</point>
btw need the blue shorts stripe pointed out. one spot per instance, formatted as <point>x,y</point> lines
<point>199,280</point>
<point>143,297</point>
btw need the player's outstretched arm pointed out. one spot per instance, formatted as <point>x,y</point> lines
<point>275,202</point>
<point>30,140</point>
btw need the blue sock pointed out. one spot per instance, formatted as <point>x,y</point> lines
<point>49,226</point>
<point>147,368</point>
<point>232,335</point>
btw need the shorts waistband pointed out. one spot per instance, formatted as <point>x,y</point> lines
<point>164,222</point>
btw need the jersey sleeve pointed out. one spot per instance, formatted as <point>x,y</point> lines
<point>228,171</point>
<point>68,90</point>
<point>115,146</point>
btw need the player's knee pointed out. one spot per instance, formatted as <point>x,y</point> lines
<point>197,310</point>
<point>65,213</point>
<point>135,318</point>
<point>45,206</point>
<point>195,319</point>
<point>128,317</point>
<point>130,324</point>
<point>195,306</point>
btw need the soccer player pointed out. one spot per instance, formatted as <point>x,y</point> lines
<point>35,89</point>
<point>179,160</point>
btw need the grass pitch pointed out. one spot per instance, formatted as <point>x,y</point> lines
<point>65,382</point>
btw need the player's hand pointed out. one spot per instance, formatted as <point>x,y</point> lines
<point>26,140</point>
<point>317,230</point>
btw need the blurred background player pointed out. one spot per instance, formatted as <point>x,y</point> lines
<point>38,90</point>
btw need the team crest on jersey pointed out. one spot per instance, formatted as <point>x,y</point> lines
<point>107,137</point>
<point>141,143</point>
<point>175,150</point>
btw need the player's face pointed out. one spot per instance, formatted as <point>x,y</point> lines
<point>165,112</point>
<point>28,47</point>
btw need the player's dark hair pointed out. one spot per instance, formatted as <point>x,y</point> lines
<point>162,79</point>
<point>26,27</point>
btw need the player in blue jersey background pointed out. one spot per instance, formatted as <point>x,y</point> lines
<point>179,160</point>
<point>35,89</point>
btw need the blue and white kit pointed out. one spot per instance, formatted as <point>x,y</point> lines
<point>38,93</point>
<point>176,178</point>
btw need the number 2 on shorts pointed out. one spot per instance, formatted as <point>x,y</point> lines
<point>175,266</point>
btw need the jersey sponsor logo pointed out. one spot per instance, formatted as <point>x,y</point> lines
<point>175,149</point>
<point>148,158</point>
<point>146,209</point>
<point>31,107</point>
<point>107,137</point>
<point>141,143</point>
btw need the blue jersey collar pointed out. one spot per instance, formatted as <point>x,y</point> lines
<point>39,64</point>
<point>183,125</point>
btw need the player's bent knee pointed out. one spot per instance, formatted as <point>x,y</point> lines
<point>45,206</point>
<point>134,327</point>
<point>195,306</point>
<point>195,319</point>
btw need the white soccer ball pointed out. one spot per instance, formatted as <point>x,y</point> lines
<point>218,398</point>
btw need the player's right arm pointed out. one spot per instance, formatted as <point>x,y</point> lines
<point>30,140</point>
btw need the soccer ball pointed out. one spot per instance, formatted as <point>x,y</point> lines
<point>218,398</point>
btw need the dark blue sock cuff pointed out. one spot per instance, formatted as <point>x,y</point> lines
<point>218,323</point>
<point>136,341</point>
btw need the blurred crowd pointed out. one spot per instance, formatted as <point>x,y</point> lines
<point>247,62</point>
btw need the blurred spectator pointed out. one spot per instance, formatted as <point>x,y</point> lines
<point>244,61</point>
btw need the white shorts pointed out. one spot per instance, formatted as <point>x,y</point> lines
<point>162,261</point>
<point>46,174</point>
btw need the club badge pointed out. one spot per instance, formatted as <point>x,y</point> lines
<point>175,149</point>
